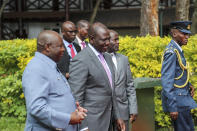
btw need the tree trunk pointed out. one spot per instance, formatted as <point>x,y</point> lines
<point>95,11</point>
<point>149,18</point>
<point>182,10</point>
<point>67,9</point>
<point>194,19</point>
<point>1,12</point>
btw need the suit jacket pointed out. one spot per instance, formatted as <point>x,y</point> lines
<point>64,62</point>
<point>175,99</point>
<point>124,88</point>
<point>49,101</point>
<point>77,42</point>
<point>91,87</point>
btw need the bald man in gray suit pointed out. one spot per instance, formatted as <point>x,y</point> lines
<point>92,81</point>
<point>124,87</point>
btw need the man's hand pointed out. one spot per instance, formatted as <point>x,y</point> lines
<point>67,75</point>
<point>174,115</point>
<point>133,117</point>
<point>120,125</point>
<point>81,109</point>
<point>78,115</point>
<point>192,91</point>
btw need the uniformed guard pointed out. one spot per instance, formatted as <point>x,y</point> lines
<point>177,91</point>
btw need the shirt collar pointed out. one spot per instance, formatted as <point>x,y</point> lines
<point>66,43</point>
<point>45,58</point>
<point>178,46</point>
<point>94,50</point>
<point>112,54</point>
<point>78,39</point>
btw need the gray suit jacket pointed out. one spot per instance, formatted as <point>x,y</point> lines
<point>49,100</point>
<point>124,88</point>
<point>91,87</point>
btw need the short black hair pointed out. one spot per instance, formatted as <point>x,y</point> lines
<point>80,23</point>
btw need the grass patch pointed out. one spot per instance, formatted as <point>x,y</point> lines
<point>10,124</point>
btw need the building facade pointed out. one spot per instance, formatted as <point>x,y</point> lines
<point>26,18</point>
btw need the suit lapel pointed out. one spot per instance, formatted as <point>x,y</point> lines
<point>111,67</point>
<point>99,65</point>
<point>76,41</point>
<point>77,47</point>
<point>118,65</point>
<point>66,53</point>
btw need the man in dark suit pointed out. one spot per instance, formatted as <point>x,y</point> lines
<point>124,86</point>
<point>92,81</point>
<point>177,91</point>
<point>82,33</point>
<point>71,49</point>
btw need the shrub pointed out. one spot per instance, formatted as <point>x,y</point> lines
<point>144,56</point>
<point>14,55</point>
<point>145,60</point>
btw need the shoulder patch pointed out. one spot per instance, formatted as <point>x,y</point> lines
<point>169,50</point>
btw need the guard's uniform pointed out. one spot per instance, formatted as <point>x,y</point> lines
<point>176,95</point>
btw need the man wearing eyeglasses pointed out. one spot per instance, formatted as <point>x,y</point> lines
<point>71,49</point>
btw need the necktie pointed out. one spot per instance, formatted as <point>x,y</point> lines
<point>83,44</point>
<point>72,51</point>
<point>106,69</point>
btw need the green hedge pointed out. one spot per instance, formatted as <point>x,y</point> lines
<point>144,56</point>
<point>145,61</point>
<point>14,55</point>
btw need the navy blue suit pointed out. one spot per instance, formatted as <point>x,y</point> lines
<point>176,99</point>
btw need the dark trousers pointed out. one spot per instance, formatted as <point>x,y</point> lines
<point>184,122</point>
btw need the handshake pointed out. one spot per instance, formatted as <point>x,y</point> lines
<point>78,115</point>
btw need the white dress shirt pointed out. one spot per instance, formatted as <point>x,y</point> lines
<point>114,59</point>
<point>80,41</point>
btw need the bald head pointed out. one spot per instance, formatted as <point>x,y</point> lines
<point>99,36</point>
<point>67,24</point>
<point>68,31</point>
<point>50,44</point>
<point>96,28</point>
<point>46,37</point>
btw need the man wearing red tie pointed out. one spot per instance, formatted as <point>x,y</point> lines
<point>82,33</point>
<point>68,30</point>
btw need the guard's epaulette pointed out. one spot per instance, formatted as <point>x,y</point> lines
<point>169,50</point>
